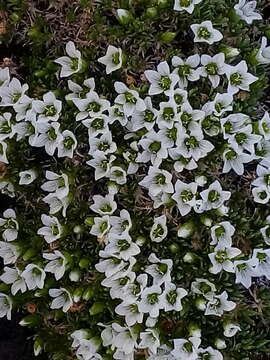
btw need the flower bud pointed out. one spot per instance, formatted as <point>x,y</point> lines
<point>78,229</point>
<point>186,230</point>
<point>140,241</point>
<point>167,37</point>
<point>174,248</point>
<point>162,3</point>
<point>88,293</point>
<point>201,180</point>
<point>189,258</point>
<point>151,12</point>
<point>124,16</point>
<point>206,221</point>
<point>220,344</point>
<point>200,304</point>
<point>230,329</point>
<point>84,263</point>
<point>230,52</point>
<point>77,294</point>
<point>97,308</point>
<point>89,221</point>
<point>194,330</point>
<point>38,346</point>
<point>75,275</point>
<point>30,320</point>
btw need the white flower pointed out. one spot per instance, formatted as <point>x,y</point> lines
<point>157,181</point>
<point>7,129</point>
<point>161,80</point>
<point>101,226</point>
<point>193,145</point>
<point>151,301</point>
<point>101,163</point>
<point>222,233</point>
<point>56,204</point>
<point>205,32</point>
<point>213,67</point>
<point>209,353</point>
<point>244,271</point>
<point>24,109</point>
<point>181,162</point>
<point>263,55</point>
<point>203,287</point>
<point>57,184</point>
<point>116,113</point>
<point>230,329</point>
<point>160,270</point>
<point>128,98</point>
<point>234,160</point>
<point>27,177</point>
<point>49,109</point>
<point>56,265</point>
<point>49,136</point>
<point>9,225</point>
<point>185,5</point>
<point>120,224</point>
<point>221,104</point>
<point>246,10</point>
<point>67,144</point>
<point>122,246</point>
<point>3,152</point>
<point>79,91</point>
<point>167,114</point>
<point>264,126</point>
<point>87,349</point>
<point>96,125</point>
<point>186,69</point>
<point>233,123</point>
<point>185,196</point>
<point>214,196</point>
<point>159,229</point>
<point>72,63</point>
<point>4,77</point>
<point>124,340</point>
<point>186,349</point>
<point>238,77</point>
<point>12,92</point>
<point>104,205</point>
<point>191,118</point>
<point>149,340</point>
<point>13,277</point>
<point>52,230</point>
<point>111,266</point>
<point>219,304</point>
<point>34,276</point>
<point>265,231</point>
<point>62,299</point>
<point>118,175</point>
<point>92,106</point>
<point>104,143</point>
<point>261,262</point>
<point>221,259</point>
<point>5,306</point>
<point>112,60</point>
<point>244,139</point>
<point>155,148</point>
<point>172,297</point>
<point>129,310</point>
<point>8,252</point>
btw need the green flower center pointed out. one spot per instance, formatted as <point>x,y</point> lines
<point>160,179</point>
<point>104,164</point>
<point>61,182</point>
<point>103,146</point>
<point>186,119</point>
<point>124,280</point>
<point>171,297</point>
<point>241,267</point>
<point>118,113</point>
<point>265,127</point>
<point>74,63</point>
<point>261,256</point>
<point>236,79</point>
<point>134,308</point>
<point>5,128</point>
<point>106,208</point>
<point>55,230</point>
<point>103,226</point>
<point>93,106</point>
<point>240,138</point>
<point>68,142</point>
<point>221,256</point>
<point>49,110</point>
<point>188,347</point>
<point>123,244</point>
<point>149,116</point>
<point>52,134</point>
<point>16,97</point>
<point>184,70</point>
<point>30,128</point>
<point>205,288</point>
<point>98,124</point>
<point>130,98</point>
<point>191,142</point>
<point>116,58</point>
<point>165,83</point>
<point>162,268</point>
<point>152,298</point>
<point>203,33</point>
<point>262,195</point>
<point>211,69</point>
<point>267,179</point>
<point>186,195</point>
<point>172,134</point>
<point>178,99</point>
<point>168,114</point>
<point>231,154</point>
<point>213,195</point>
<point>220,231</point>
<point>155,146</point>
<point>158,232</point>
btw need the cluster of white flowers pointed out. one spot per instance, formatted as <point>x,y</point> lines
<point>165,139</point>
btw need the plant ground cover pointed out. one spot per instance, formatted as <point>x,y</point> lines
<point>33,35</point>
